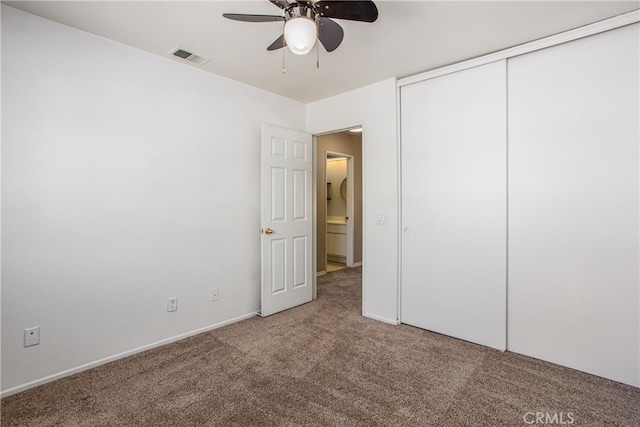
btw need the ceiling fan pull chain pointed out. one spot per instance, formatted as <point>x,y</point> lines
<point>284,69</point>
<point>317,45</point>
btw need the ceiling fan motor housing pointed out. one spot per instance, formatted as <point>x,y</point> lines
<point>296,10</point>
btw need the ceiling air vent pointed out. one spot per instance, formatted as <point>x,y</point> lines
<point>189,56</point>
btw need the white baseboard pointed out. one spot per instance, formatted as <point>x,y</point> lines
<point>381,319</point>
<point>356,264</point>
<point>342,259</point>
<point>122,355</point>
<point>321,273</point>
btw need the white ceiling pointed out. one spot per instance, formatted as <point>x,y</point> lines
<point>409,36</point>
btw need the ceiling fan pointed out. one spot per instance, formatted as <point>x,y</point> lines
<point>308,21</point>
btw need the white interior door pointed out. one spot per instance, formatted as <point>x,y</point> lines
<point>574,240</point>
<point>454,181</point>
<point>287,220</point>
<point>351,215</point>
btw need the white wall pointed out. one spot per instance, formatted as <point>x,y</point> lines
<point>127,178</point>
<point>374,107</point>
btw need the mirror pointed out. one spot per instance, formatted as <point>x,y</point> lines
<point>343,189</point>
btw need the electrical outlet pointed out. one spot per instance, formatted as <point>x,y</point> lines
<point>172,305</point>
<point>214,294</point>
<point>32,336</point>
<point>381,218</point>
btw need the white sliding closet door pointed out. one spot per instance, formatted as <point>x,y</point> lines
<point>574,205</point>
<point>454,204</point>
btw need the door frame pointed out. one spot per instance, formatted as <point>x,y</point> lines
<point>315,203</point>
<point>350,205</point>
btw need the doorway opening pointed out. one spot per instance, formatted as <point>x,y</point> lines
<point>339,209</point>
<point>339,200</point>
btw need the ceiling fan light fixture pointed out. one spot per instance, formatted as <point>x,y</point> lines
<point>300,33</point>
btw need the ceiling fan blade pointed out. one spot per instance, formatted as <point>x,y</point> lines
<point>279,43</point>
<point>365,11</point>
<point>253,18</point>
<point>330,34</point>
<point>282,4</point>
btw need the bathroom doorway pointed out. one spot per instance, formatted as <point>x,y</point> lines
<point>339,209</point>
<point>339,200</point>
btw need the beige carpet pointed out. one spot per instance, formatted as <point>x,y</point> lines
<point>334,266</point>
<point>324,364</point>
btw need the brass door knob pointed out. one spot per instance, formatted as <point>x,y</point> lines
<point>267,231</point>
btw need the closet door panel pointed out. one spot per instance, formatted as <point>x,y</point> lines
<point>574,205</point>
<point>454,204</point>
